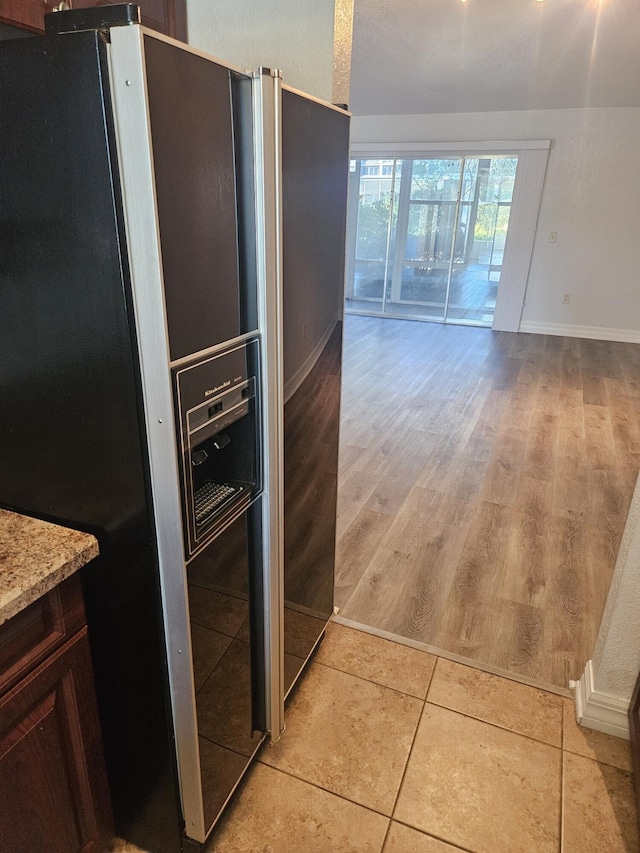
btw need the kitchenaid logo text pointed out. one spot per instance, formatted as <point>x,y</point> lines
<point>217,388</point>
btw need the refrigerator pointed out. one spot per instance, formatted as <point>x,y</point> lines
<point>171,262</point>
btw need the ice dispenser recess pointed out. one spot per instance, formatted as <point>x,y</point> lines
<point>218,423</point>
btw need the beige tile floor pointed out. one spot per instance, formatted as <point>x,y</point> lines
<point>389,749</point>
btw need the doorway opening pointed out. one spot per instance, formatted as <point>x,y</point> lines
<point>428,237</point>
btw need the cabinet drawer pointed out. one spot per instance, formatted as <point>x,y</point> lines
<point>39,629</point>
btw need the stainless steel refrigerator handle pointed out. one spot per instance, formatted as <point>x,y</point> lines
<point>267,99</point>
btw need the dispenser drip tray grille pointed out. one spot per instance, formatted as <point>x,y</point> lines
<point>211,496</point>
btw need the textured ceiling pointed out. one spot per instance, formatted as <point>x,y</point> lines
<point>442,56</point>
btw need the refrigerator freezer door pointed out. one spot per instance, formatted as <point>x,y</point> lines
<point>185,261</point>
<point>197,148</point>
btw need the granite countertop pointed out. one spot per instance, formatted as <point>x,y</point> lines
<point>36,556</point>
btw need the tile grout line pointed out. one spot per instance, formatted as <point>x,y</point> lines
<point>408,759</point>
<point>470,716</point>
<point>393,811</point>
<point>488,722</point>
<point>434,654</point>
<point>561,746</point>
<point>426,700</point>
<point>342,796</point>
<point>433,673</point>
<point>368,680</point>
<point>446,707</point>
<point>495,725</point>
<point>449,843</point>
<point>346,799</point>
<point>404,772</point>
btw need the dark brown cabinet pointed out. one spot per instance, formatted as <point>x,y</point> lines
<point>53,785</point>
<point>165,16</point>
<point>28,14</point>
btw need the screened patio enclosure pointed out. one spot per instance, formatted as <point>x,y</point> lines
<point>427,239</point>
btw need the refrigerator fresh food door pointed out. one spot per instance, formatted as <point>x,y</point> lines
<point>315,163</point>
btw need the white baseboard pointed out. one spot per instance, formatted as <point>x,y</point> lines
<point>598,710</point>
<point>595,333</point>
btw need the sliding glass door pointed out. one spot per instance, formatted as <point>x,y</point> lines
<point>429,236</point>
<point>375,182</point>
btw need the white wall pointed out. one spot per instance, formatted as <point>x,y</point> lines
<point>291,35</point>
<point>616,659</point>
<point>591,198</point>
<point>605,690</point>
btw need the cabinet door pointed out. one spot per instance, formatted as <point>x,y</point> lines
<point>165,16</point>
<point>27,14</point>
<point>53,785</point>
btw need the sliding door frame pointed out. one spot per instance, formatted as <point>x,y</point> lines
<point>525,205</point>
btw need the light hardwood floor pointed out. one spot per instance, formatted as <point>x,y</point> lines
<point>485,479</point>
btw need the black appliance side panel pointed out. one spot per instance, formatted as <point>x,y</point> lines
<point>71,436</point>
<point>315,155</point>
<point>193,148</point>
<point>69,420</point>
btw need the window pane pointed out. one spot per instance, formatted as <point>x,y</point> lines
<point>423,292</point>
<point>369,278</point>
<point>434,180</point>
<point>374,209</point>
<point>469,178</point>
<point>501,178</point>
<point>422,232</point>
<point>430,231</point>
<point>375,235</point>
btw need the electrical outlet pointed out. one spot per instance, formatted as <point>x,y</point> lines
<point>553,236</point>
<point>566,298</point>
